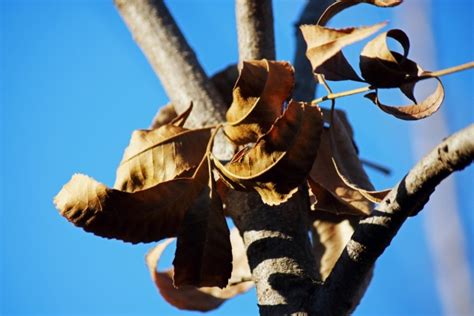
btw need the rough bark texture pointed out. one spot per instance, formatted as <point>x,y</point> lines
<point>278,249</point>
<point>255,29</point>
<point>375,232</point>
<point>173,60</point>
<point>305,84</point>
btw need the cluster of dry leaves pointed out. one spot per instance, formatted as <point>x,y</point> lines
<point>166,184</point>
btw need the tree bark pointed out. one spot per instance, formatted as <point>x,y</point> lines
<point>278,250</point>
<point>255,29</point>
<point>173,60</point>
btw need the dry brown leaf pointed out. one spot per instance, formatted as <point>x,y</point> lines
<point>347,164</point>
<point>164,116</point>
<point>383,68</point>
<point>258,98</point>
<point>325,45</point>
<point>329,190</point>
<point>418,111</point>
<point>330,234</point>
<point>341,5</point>
<point>281,159</point>
<point>162,154</point>
<point>224,82</point>
<point>341,192</point>
<point>205,298</point>
<point>143,216</point>
<point>342,201</point>
<point>203,253</point>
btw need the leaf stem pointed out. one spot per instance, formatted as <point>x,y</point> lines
<point>332,96</point>
<point>427,75</point>
<point>449,70</point>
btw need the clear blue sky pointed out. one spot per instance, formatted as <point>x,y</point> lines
<point>73,86</point>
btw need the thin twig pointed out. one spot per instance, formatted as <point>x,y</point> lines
<point>386,171</point>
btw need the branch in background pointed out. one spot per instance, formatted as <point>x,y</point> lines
<point>305,85</point>
<point>255,29</point>
<point>173,60</point>
<point>374,233</point>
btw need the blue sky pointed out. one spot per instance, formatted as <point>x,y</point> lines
<point>73,86</point>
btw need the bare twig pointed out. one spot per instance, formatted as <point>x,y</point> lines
<point>305,84</point>
<point>173,60</point>
<point>374,233</point>
<point>255,29</point>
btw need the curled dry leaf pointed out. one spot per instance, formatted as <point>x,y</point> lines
<point>330,190</point>
<point>418,111</point>
<point>204,298</point>
<point>341,5</point>
<point>325,45</point>
<point>153,201</point>
<point>143,216</point>
<point>347,164</point>
<point>164,115</point>
<point>203,253</point>
<point>383,68</point>
<point>258,98</point>
<point>281,159</point>
<point>161,154</point>
<point>330,234</point>
<point>224,82</point>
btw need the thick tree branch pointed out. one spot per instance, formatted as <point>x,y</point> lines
<point>173,60</point>
<point>375,232</point>
<point>305,84</point>
<point>278,250</point>
<point>255,29</point>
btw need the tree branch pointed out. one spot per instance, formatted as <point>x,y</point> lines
<point>255,29</point>
<point>305,85</point>
<point>173,60</point>
<point>375,232</point>
<point>278,250</point>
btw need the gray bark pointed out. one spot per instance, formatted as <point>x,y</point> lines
<point>173,60</point>
<point>255,29</point>
<point>278,250</point>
